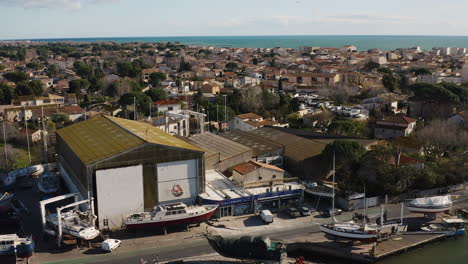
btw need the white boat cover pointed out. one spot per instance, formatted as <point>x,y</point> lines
<point>436,201</point>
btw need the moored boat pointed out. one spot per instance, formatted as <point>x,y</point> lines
<point>170,215</point>
<point>74,224</point>
<point>11,244</point>
<point>448,227</point>
<point>436,204</point>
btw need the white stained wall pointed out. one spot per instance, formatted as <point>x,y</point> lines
<point>119,194</point>
<point>174,174</point>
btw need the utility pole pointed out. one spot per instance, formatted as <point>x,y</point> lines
<point>134,109</point>
<point>150,111</point>
<point>27,136</point>
<point>225,113</point>
<point>5,144</point>
<point>44,135</point>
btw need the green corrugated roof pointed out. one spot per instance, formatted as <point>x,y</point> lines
<point>104,136</point>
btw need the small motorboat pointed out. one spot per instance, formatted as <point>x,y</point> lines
<point>11,244</point>
<point>171,214</point>
<point>448,227</point>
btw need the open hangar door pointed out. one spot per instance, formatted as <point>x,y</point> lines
<point>177,182</point>
<point>119,194</point>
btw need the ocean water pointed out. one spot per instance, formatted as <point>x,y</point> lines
<point>361,42</point>
<point>450,251</point>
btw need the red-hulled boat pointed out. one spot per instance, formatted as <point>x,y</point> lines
<point>171,214</point>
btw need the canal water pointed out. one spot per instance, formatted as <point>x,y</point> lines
<point>450,251</point>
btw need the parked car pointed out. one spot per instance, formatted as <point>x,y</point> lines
<point>110,244</point>
<point>293,212</point>
<point>266,216</point>
<point>304,211</point>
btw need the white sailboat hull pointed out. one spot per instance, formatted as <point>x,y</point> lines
<point>425,210</point>
<point>361,236</point>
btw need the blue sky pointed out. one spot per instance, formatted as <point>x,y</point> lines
<point>128,18</point>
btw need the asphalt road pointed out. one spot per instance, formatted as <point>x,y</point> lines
<point>195,247</point>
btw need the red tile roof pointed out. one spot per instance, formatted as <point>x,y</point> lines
<point>399,119</point>
<point>248,116</point>
<point>166,102</point>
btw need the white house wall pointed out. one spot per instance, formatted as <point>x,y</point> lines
<point>119,193</point>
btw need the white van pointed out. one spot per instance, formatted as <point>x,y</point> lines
<point>266,216</point>
<point>110,244</point>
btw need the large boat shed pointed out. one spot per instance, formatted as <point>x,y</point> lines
<point>128,166</point>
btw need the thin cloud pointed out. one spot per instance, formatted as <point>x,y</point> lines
<point>68,4</point>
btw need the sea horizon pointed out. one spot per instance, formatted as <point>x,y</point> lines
<point>362,42</point>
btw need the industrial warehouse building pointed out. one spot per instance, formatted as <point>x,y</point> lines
<point>128,166</point>
<point>220,153</point>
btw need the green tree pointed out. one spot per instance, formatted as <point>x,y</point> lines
<point>156,78</point>
<point>370,66</point>
<point>60,119</point>
<point>83,70</point>
<point>128,69</point>
<point>420,71</point>
<point>294,120</point>
<point>16,77</point>
<point>231,66</point>
<point>23,88</point>
<point>77,85</point>
<point>52,70</point>
<point>385,70</point>
<point>143,101</point>
<point>6,93</point>
<point>2,67</point>
<point>33,65</point>
<point>391,82</point>
<point>346,127</point>
<point>344,151</point>
<point>156,94</point>
<point>37,87</point>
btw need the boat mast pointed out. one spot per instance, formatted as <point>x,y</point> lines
<point>333,188</point>
<point>27,137</point>
<point>44,135</point>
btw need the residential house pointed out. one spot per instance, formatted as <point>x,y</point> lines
<point>174,125</point>
<point>211,88</point>
<point>74,112</point>
<point>145,74</point>
<point>167,105</point>
<point>251,121</point>
<point>314,79</point>
<point>391,127</point>
<point>30,100</point>
<point>256,174</point>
